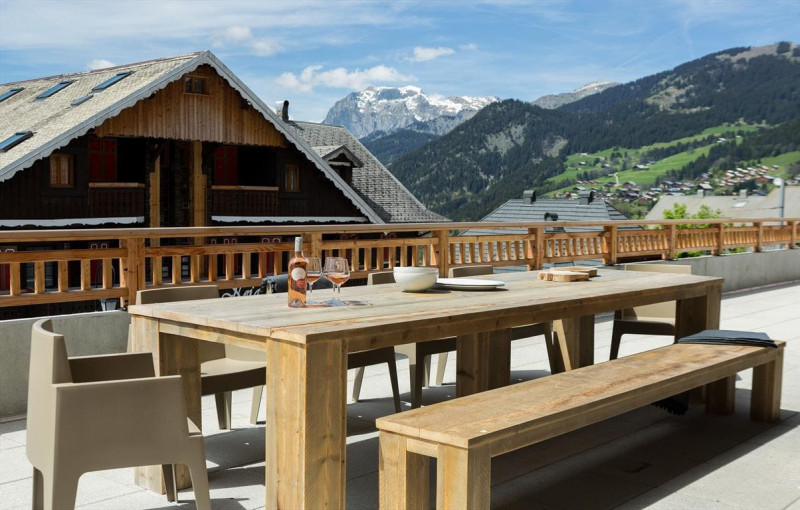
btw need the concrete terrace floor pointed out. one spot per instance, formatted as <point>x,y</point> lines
<point>643,459</point>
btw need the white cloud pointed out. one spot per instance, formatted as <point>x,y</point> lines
<point>240,35</point>
<point>314,76</point>
<point>99,63</point>
<point>468,47</point>
<point>423,54</point>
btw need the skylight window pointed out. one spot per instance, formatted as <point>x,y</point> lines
<point>53,90</point>
<point>111,81</point>
<point>82,100</point>
<point>15,139</point>
<point>8,94</point>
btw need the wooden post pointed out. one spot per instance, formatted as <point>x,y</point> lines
<point>440,251</point>
<point>134,267</point>
<point>794,239</point>
<point>14,276</point>
<point>541,248</point>
<point>155,194</point>
<point>315,244</point>
<point>612,242</point>
<point>672,241</point>
<point>760,236</point>
<point>720,238</point>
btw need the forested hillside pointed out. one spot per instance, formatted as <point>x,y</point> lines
<point>512,145</point>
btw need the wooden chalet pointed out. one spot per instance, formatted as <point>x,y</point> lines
<point>174,142</point>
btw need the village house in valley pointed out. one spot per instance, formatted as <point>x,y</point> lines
<point>177,142</point>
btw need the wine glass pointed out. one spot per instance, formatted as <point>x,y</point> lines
<point>313,273</point>
<point>337,270</point>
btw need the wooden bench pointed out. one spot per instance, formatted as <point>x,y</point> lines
<point>465,433</point>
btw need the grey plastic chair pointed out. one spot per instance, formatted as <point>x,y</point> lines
<point>104,412</point>
<point>520,332</point>
<point>224,368</point>
<point>421,351</point>
<point>655,319</point>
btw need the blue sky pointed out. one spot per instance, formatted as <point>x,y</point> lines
<point>314,53</point>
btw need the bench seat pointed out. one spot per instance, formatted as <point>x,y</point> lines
<point>465,433</point>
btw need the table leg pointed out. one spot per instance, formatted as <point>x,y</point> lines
<point>171,355</point>
<point>574,337</point>
<point>695,314</point>
<point>306,425</point>
<point>483,361</point>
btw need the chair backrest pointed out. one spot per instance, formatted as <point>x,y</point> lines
<point>167,294</point>
<point>465,271</point>
<point>208,350</point>
<point>380,278</point>
<point>49,365</point>
<point>666,309</point>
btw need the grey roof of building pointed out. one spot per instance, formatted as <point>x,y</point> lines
<point>378,187</point>
<point>332,151</point>
<point>751,206</point>
<point>519,211</point>
<point>54,121</point>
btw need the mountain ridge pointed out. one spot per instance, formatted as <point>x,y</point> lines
<point>512,145</point>
<point>389,109</point>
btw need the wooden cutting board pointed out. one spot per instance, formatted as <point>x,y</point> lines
<point>563,276</point>
<point>581,269</point>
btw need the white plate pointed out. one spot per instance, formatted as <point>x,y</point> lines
<point>467,284</point>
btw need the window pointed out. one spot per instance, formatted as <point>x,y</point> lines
<point>292,178</point>
<point>62,171</point>
<point>195,85</point>
<point>82,99</point>
<point>15,139</point>
<point>225,166</point>
<point>54,89</point>
<point>5,95</point>
<point>111,81</point>
<point>102,160</point>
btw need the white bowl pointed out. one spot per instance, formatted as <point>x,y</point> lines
<point>415,279</point>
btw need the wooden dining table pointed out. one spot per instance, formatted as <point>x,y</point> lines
<point>306,351</point>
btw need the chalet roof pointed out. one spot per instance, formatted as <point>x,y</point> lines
<point>521,211</point>
<point>328,152</point>
<point>55,121</point>
<point>378,187</point>
<point>752,206</point>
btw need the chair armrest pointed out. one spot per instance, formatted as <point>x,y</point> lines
<point>111,367</point>
<point>133,408</point>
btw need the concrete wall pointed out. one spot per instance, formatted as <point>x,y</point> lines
<point>107,332</point>
<point>747,270</point>
<point>85,334</point>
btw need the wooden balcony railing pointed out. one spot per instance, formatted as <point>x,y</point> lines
<point>244,200</point>
<point>148,258</point>
<point>110,199</point>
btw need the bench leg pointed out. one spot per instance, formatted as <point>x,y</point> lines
<point>403,475</point>
<point>463,478</point>
<point>720,395</point>
<point>765,400</point>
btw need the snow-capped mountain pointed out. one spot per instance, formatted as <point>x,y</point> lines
<point>388,109</point>
<point>551,102</point>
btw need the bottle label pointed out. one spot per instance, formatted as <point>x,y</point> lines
<point>298,274</point>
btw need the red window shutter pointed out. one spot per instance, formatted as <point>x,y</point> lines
<point>95,166</point>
